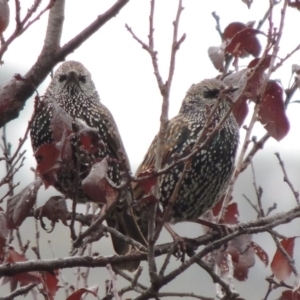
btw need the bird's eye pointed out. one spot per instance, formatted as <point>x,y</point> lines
<point>62,78</point>
<point>211,94</point>
<point>82,78</point>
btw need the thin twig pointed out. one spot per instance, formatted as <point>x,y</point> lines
<point>20,291</point>
<point>258,191</point>
<point>218,27</point>
<point>287,180</point>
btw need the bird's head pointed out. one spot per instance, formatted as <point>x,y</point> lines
<point>73,78</point>
<point>207,92</point>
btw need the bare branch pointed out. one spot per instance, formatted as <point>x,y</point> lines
<point>19,292</point>
<point>217,279</point>
<point>256,226</point>
<point>287,180</point>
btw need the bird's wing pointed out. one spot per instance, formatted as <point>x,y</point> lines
<point>176,135</point>
<point>124,221</point>
<point>114,141</point>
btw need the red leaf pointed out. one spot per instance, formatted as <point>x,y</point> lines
<point>4,15</point>
<point>261,253</point>
<point>242,40</point>
<point>148,183</point>
<point>98,186</point>
<point>79,293</point>
<point>19,206</point>
<point>89,137</point>
<point>279,265</point>
<point>23,278</point>
<point>50,282</point>
<point>265,64</point>
<point>46,155</point>
<point>232,29</point>
<point>272,114</point>
<point>295,4</point>
<point>289,295</point>
<point>240,111</point>
<point>217,208</point>
<point>231,215</point>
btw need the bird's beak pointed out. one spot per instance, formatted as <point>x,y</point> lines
<point>73,77</point>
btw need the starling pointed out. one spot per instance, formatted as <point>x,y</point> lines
<point>74,92</point>
<point>210,169</point>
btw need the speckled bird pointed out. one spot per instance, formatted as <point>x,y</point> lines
<point>210,169</point>
<point>73,90</point>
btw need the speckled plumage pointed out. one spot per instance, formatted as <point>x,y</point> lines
<point>211,168</point>
<point>73,90</point>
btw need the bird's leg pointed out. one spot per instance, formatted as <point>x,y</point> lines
<point>185,245</point>
<point>222,229</point>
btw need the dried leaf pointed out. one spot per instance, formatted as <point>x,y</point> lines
<point>61,121</point>
<point>272,113</point>
<point>97,186</point>
<point>19,206</point>
<point>296,70</point>
<point>248,3</point>
<point>239,79</point>
<point>243,256</point>
<point>217,56</point>
<point>54,209</point>
<point>280,265</point>
<point>261,253</point>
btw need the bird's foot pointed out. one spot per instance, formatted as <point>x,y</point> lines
<point>183,245</point>
<point>222,229</point>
